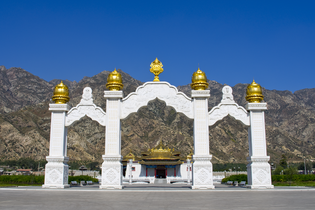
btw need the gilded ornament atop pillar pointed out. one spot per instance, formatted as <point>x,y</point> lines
<point>61,94</point>
<point>199,80</point>
<point>114,81</point>
<point>254,93</point>
<point>156,69</point>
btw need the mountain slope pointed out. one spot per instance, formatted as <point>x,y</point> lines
<point>25,121</point>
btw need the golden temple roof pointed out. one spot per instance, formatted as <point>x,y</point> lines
<point>129,156</point>
<point>160,153</point>
<point>189,156</point>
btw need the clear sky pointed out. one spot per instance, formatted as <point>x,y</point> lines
<point>232,41</point>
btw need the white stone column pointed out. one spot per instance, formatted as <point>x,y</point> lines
<point>56,170</point>
<point>258,168</point>
<point>112,167</point>
<point>202,167</point>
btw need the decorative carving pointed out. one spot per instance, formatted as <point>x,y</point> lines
<point>227,95</point>
<point>228,107</point>
<point>54,175</point>
<point>161,90</point>
<point>260,176</point>
<point>203,175</point>
<point>65,174</point>
<point>111,175</point>
<point>88,108</point>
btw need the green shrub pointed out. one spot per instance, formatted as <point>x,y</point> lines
<point>21,179</point>
<point>31,179</point>
<point>81,178</point>
<point>239,178</point>
<point>296,177</point>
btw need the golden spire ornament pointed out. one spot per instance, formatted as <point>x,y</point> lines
<point>61,94</point>
<point>254,93</point>
<point>199,80</point>
<point>114,81</point>
<point>156,69</point>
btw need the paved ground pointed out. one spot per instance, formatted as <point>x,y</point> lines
<point>157,197</point>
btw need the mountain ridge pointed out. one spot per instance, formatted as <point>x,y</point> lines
<point>25,121</point>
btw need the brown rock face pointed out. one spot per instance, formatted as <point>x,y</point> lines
<point>25,121</point>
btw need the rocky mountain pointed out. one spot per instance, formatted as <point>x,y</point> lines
<point>25,121</point>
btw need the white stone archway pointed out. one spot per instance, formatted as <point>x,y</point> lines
<point>196,108</point>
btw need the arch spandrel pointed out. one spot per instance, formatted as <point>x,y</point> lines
<point>228,107</point>
<point>152,90</point>
<point>88,108</point>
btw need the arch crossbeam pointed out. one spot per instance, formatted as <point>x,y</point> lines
<point>88,108</point>
<point>228,107</point>
<point>161,90</point>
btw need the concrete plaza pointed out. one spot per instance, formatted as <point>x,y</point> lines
<point>156,197</point>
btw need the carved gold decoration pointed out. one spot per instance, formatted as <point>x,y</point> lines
<point>254,93</point>
<point>199,80</point>
<point>61,94</point>
<point>114,81</point>
<point>156,69</point>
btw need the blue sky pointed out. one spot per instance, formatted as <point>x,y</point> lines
<point>232,41</point>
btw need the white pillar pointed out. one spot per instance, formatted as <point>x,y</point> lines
<point>258,168</point>
<point>56,170</point>
<point>130,171</point>
<point>112,167</point>
<point>202,167</point>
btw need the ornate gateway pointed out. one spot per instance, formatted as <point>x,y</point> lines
<point>196,107</point>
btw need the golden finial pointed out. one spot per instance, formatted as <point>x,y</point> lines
<point>254,93</point>
<point>199,80</point>
<point>61,94</point>
<point>114,81</point>
<point>156,69</point>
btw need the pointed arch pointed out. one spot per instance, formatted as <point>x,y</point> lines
<point>88,108</point>
<point>228,107</point>
<point>161,90</point>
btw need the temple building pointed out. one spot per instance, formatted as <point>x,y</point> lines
<point>158,162</point>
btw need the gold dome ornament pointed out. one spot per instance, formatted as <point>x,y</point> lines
<point>114,81</point>
<point>61,94</point>
<point>254,93</point>
<point>199,80</point>
<point>156,69</point>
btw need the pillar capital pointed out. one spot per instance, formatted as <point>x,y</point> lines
<point>57,159</point>
<point>256,106</point>
<point>59,107</point>
<point>200,93</point>
<point>113,94</point>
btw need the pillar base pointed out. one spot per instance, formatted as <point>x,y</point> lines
<point>110,187</point>
<point>56,172</point>
<point>202,172</point>
<point>260,187</point>
<point>259,173</point>
<point>111,172</point>
<point>205,187</point>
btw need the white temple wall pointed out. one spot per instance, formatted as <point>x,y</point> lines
<point>139,170</point>
<point>183,172</point>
